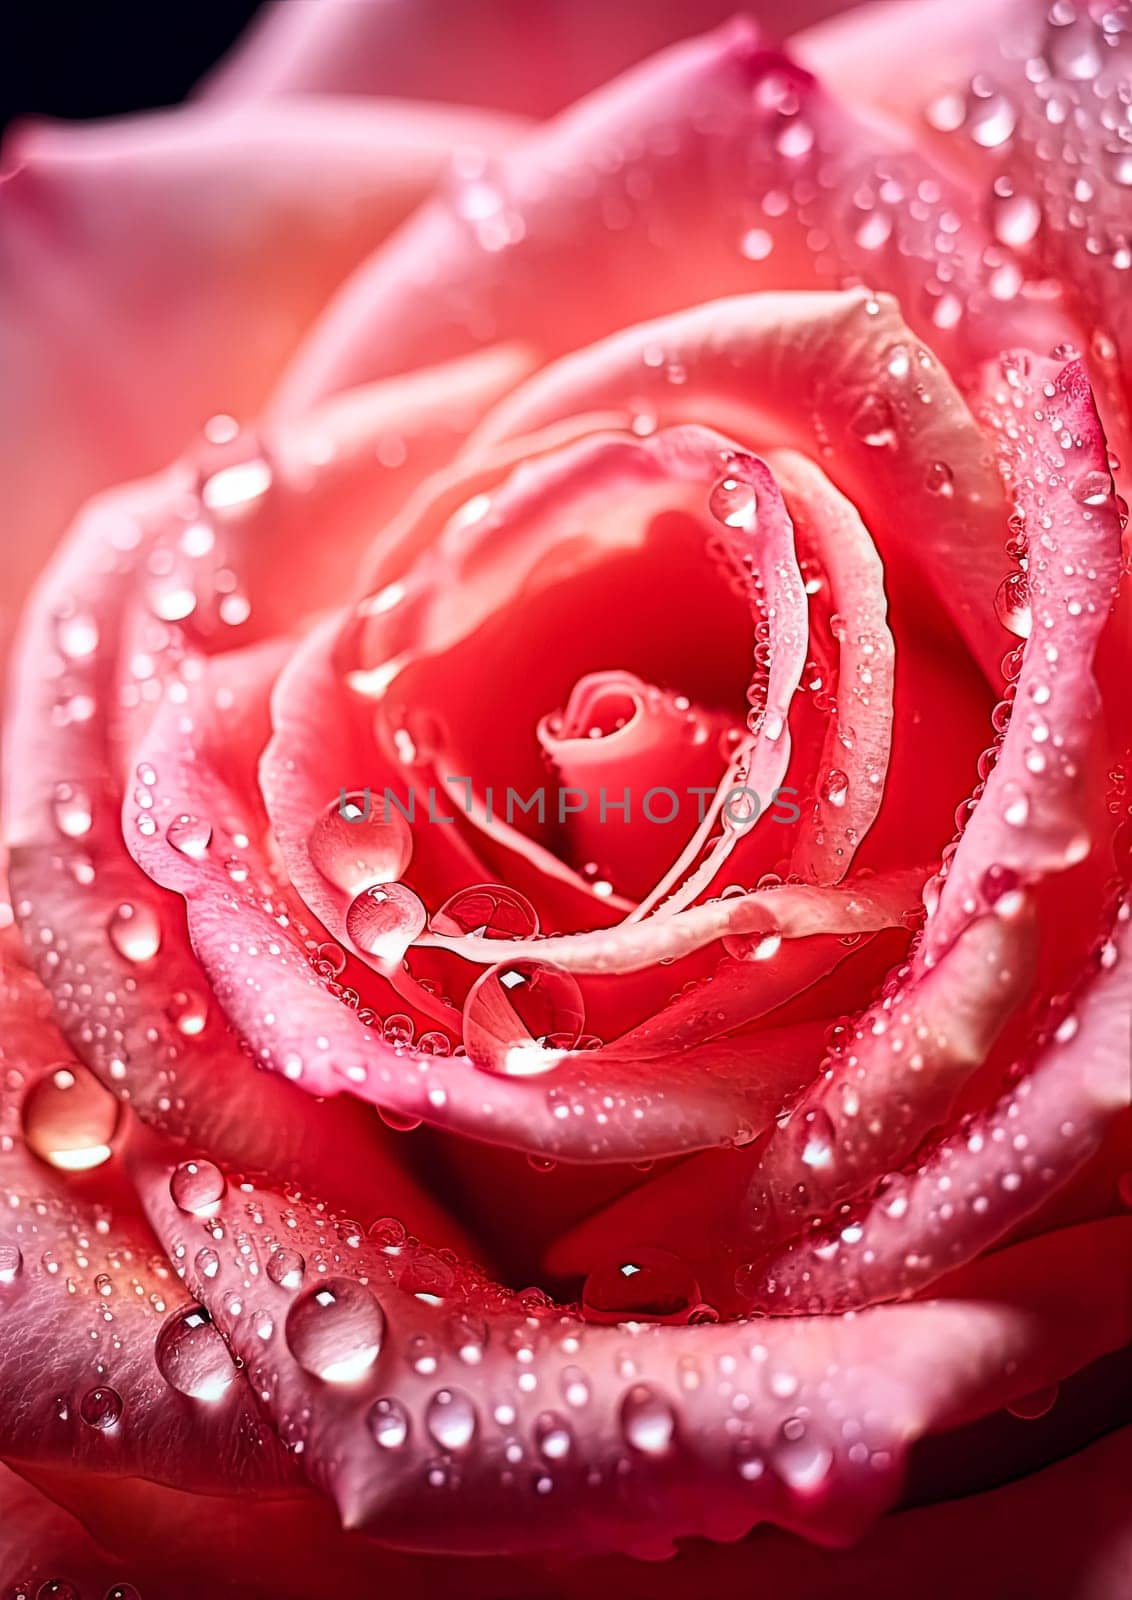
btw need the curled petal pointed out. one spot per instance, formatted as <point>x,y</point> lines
<point>400,1374</point>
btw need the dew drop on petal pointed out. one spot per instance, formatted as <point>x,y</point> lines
<point>1017,218</point>
<point>801,1459</point>
<point>388,1423</point>
<point>553,1436</point>
<point>1012,604</point>
<point>197,1187</point>
<point>101,1408</point>
<point>648,1422</point>
<point>835,787</point>
<point>517,1011</point>
<point>72,810</point>
<point>451,1419</point>
<point>360,839</point>
<point>1029,1407</point>
<point>640,1285</point>
<point>192,1357</point>
<point>335,1329</point>
<point>189,835</point>
<point>187,1012</point>
<point>486,911</point>
<point>134,932</point>
<point>1092,488</point>
<point>11,1263</point>
<point>285,1268</point>
<point>384,919</point>
<point>874,421</point>
<point>76,634</point>
<point>733,502</point>
<point>68,1119</point>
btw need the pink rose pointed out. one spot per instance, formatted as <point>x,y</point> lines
<point>566,1011</point>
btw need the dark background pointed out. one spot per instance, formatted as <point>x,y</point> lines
<point>99,58</point>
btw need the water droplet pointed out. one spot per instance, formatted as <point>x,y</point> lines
<point>384,920</point>
<point>361,838</point>
<point>575,1387</point>
<point>134,932</point>
<point>1029,1407</point>
<point>69,1120</point>
<point>197,1187</point>
<point>835,788</point>
<point>101,1408</point>
<point>486,911</point>
<point>335,1330</point>
<point>733,501</point>
<point>940,480</point>
<point>187,1012</point>
<point>451,1419</point>
<point>207,1262</point>
<point>647,1420</point>
<point>76,635</point>
<point>516,1010</point>
<point>1017,218</point>
<point>802,1461</point>
<point>11,1263</point>
<point>992,122</point>
<point>388,1423</point>
<point>1092,488</point>
<point>818,1138</point>
<point>1012,604</point>
<point>237,485</point>
<point>192,1357</point>
<point>997,882</point>
<point>553,1436</point>
<point>190,835</point>
<point>285,1268</point>
<point>874,421</point>
<point>640,1285</point>
<point>53,1589</point>
<point>71,808</point>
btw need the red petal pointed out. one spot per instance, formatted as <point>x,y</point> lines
<point>501,1423</point>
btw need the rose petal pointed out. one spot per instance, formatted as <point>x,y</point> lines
<point>433,1423</point>
<point>838,376</point>
<point>84,1294</point>
<point>981,1180</point>
<point>779,188</point>
<point>116,356</point>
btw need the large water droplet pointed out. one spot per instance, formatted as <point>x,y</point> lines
<point>384,920</point>
<point>69,1119</point>
<point>286,1268</point>
<point>1092,488</point>
<point>639,1285</point>
<point>733,501</point>
<point>190,835</point>
<point>335,1330</point>
<point>192,1357</point>
<point>101,1408</point>
<point>76,633</point>
<point>134,932</point>
<point>1017,218</point>
<point>72,810</point>
<point>801,1459</point>
<point>388,1423</point>
<point>360,839</point>
<point>647,1420</point>
<point>234,487</point>
<point>835,787</point>
<point>451,1419</point>
<point>516,1011</point>
<point>11,1263</point>
<point>486,911</point>
<point>874,421</point>
<point>197,1187</point>
<point>1012,604</point>
<point>553,1436</point>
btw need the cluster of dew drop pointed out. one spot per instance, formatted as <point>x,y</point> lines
<point>1053,122</point>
